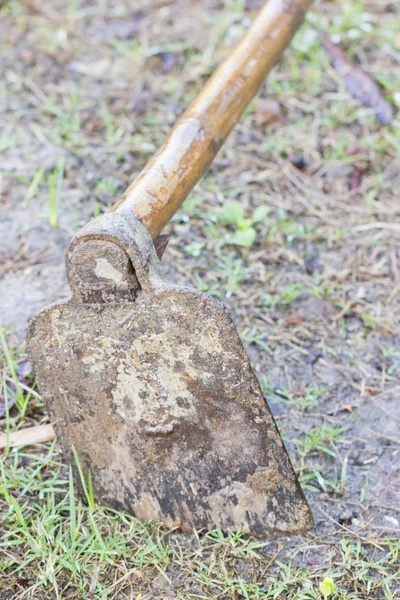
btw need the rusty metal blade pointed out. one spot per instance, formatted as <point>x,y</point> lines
<point>155,392</point>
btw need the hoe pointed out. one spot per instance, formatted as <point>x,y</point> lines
<point>147,383</point>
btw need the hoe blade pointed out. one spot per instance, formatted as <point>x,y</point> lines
<point>159,400</point>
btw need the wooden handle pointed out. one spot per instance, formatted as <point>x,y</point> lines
<point>165,182</point>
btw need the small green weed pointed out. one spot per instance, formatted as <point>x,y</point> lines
<point>289,294</point>
<point>321,439</point>
<point>259,339</point>
<point>235,544</point>
<point>194,249</point>
<point>286,229</point>
<point>243,233</point>
<point>113,133</point>
<point>306,401</point>
<point>55,180</point>
<point>230,270</point>
<point>233,271</point>
<point>108,186</point>
<point>327,587</point>
<point>34,185</point>
<point>8,139</point>
<point>213,289</point>
<point>67,122</point>
<point>313,479</point>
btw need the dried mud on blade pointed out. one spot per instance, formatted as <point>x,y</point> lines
<point>155,392</point>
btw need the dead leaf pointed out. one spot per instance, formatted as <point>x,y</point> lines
<point>9,391</point>
<point>28,436</point>
<point>293,319</point>
<point>359,84</point>
<point>167,61</point>
<point>267,112</point>
<point>96,69</point>
<point>24,369</point>
<point>355,179</point>
<point>313,264</point>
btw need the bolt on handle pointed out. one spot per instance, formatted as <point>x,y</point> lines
<point>167,179</point>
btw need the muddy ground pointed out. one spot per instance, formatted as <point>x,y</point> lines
<point>87,93</point>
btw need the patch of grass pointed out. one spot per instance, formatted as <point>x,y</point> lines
<point>252,336</point>
<point>213,289</point>
<point>53,546</point>
<point>190,209</point>
<point>315,480</point>
<point>66,543</point>
<point>352,559</point>
<point>289,294</point>
<point>306,401</point>
<point>194,249</point>
<point>67,124</point>
<point>11,386</point>
<point>233,272</point>
<point>320,439</point>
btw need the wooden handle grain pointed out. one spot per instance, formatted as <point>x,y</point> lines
<point>187,152</point>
